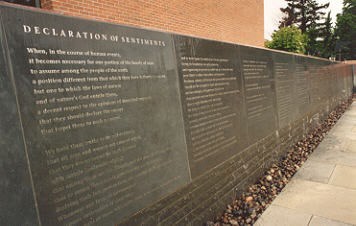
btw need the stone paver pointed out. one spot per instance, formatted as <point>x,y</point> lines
<point>344,176</point>
<point>276,215</point>
<point>335,157</point>
<point>329,201</point>
<point>351,146</point>
<point>325,186</point>
<point>316,171</point>
<point>350,128</point>
<point>321,221</point>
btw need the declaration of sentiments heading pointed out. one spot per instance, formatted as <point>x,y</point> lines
<point>46,31</point>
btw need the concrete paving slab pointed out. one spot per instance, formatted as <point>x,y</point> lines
<point>334,157</point>
<point>333,142</point>
<point>340,133</point>
<point>315,171</point>
<point>346,126</point>
<point>276,215</point>
<point>335,149</point>
<point>321,221</point>
<point>344,176</point>
<point>346,129</point>
<point>350,135</point>
<point>351,111</point>
<point>351,146</point>
<point>350,116</point>
<point>320,199</point>
<point>325,186</point>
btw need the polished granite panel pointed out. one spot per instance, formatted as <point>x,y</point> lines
<point>211,85</point>
<point>260,92</point>
<point>284,69</point>
<point>101,115</point>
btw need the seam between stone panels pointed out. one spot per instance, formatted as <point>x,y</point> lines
<point>332,173</point>
<point>311,217</point>
<point>180,99</point>
<point>11,74</point>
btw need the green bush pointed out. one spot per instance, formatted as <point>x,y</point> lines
<point>288,39</point>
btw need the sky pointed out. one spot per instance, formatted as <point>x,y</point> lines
<point>273,15</point>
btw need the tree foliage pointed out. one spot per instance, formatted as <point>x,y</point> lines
<point>321,39</point>
<point>346,31</point>
<point>327,44</point>
<point>288,39</point>
<point>302,13</point>
<point>308,16</point>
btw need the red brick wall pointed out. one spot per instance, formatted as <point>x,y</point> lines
<point>238,21</point>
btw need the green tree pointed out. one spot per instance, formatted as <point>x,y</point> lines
<point>327,44</point>
<point>302,13</point>
<point>312,46</point>
<point>346,31</point>
<point>307,16</point>
<point>288,39</point>
<point>321,39</point>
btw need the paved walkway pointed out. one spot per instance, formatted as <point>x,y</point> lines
<point>323,192</point>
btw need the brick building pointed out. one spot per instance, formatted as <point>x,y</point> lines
<point>237,21</point>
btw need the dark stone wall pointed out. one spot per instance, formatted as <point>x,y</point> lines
<point>105,124</point>
<point>17,203</point>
